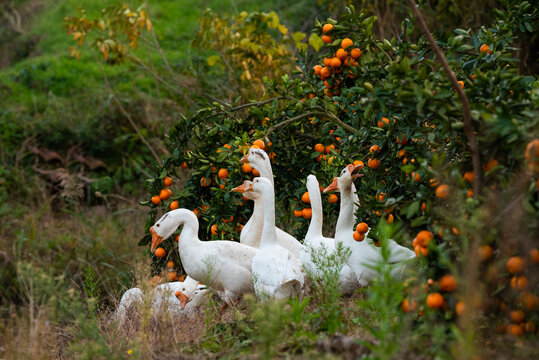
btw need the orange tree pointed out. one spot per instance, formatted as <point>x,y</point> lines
<point>390,105</point>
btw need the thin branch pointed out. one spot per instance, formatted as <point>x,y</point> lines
<point>466,116</point>
<point>237,108</point>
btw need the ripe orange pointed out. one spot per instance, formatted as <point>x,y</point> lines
<point>448,283</point>
<point>174,205</point>
<point>246,168</point>
<point>515,329</point>
<point>383,122</point>
<point>328,148</point>
<point>341,54</point>
<point>165,194</point>
<point>222,174</point>
<point>325,72</point>
<point>260,144</point>
<point>469,193</point>
<point>255,172</point>
<point>177,237</point>
<point>390,218</point>
<point>380,196</point>
<point>362,228</point>
<point>416,176</point>
<point>435,301</point>
<point>170,264</point>
<point>442,192</point>
<point>461,83</point>
<point>172,276</point>
<point>205,182</point>
<point>358,162</point>
<point>534,256</point>
<point>167,181</point>
<point>408,305</point>
<point>327,61</point>
<point>305,198</point>
<point>298,213</point>
<point>326,39</point>
<point>468,176</point>
<point>433,182</point>
<point>420,250</point>
<point>532,155</point>
<point>214,229</point>
<point>319,147</point>
<point>184,165</point>
<point>484,48</point>
<point>529,300</point>
<point>423,206</point>
<point>156,200</point>
<point>402,140</point>
<point>327,27</point>
<point>484,252</point>
<point>490,165</point>
<point>307,213</point>
<point>519,283</point>
<point>317,69</point>
<point>335,62</point>
<point>424,237</point>
<point>358,236</point>
<point>355,53</point>
<point>402,152</point>
<point>517,315</point>
<point>373,163</point>
<point>374,148</point>
<point>333,198</point>
<point>346,42</point>
<point>460,308</point>
<point>515,265</point>
<point>160,252</point>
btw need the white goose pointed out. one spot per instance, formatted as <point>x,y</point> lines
<point>259,160</point>
<point>254,226</point>
<point>223,265</point>
<point>364,254</point>
<point>316,243</point>
<point>276,272</point>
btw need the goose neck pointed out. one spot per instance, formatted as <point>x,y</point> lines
<point>315,226</point>
<point>269,234</point>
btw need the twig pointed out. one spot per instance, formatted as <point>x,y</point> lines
<point>237,108</point>
<point>466,116</point>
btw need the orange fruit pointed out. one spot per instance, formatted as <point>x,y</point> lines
<point>184,165</point>
<point>448,283</point>
<point>335,62</point>
<point>333,198</point>
<point>423,206</point>
<point>358,236</point>
<point>402,140</point>
<point>325,72</point>
<point>317,69</point>
<point>532,155</point>
<point>327,27</point>
<point>380,197</point>
<point>460,308</point>
<point>374,148</point>
<point>255,172</point>
<point>402,152</point>
<point>177,237</point>
<point>469,193</point>
<point>534,256</point>
<point>519,283</point>
<point>484,48</point>
<point>305,198</point>
<point>327,61</point>
<point>341,54</point>
<point>517,315</point>
<point>214,229</point>
<point>529,300</point>
<point>515,329</point>
<point>172,276</point>
<point>355,53</point>
<point>260,144</point>
<point>358,162</point>
<point>390,218</point>
<point>346,42</point>
<point>307,213</point>
<point>420,250</point>
<point>408,305</point>
<point>484,252</point>
<point>246,168</point>
<point>222,174</point>
<point>515,265</point>
<point>490,165</point>
<point>416,176</point>
<point>205,182</point>
<point>442,192</point>
<point>170,264</point>
<point>373,163</point>
<point>328,148</point>
<point>468,176</point>
<point>167,181</point>
<point>160,252</point>
<point>326,39</point>
<point>165,194</point>
<point>433,182</point>
<point>461,83</point>
<point>383,122</point>
<point>174,205</point>
<point>362,228</point>
<point>319,147</point>
<point>435,301</point>
<point>529,327</point>
<point>156,200</point>
<point>298,213</point>
<point>424,237</point>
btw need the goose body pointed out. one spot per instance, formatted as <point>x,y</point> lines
<point>259,160</point>
<point>223,265</point>
<point>316,243</point>
<point>364,254</point>
<point>276,271</point>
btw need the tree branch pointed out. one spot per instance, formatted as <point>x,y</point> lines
<point>466,116</point>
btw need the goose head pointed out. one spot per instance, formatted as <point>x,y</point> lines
<point>163,228</point>
<point>259,186</point>
<point>345,178</point>
<point>184,299</point>
<point>251,195</point>
<point>257,158</point>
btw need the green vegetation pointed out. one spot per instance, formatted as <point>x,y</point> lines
<point>85,142</point>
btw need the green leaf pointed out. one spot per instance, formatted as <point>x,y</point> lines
<point>212,60</point>
<point>412,209</point>
<point>315,41</point>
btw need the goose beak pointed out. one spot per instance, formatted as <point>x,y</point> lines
<point>250,187</point>
<point>245,158</point>
<point>240,189</point>
<point>156,240</point>
<point>334,186</point>
<point>184,299</point>
<point>354,170</point>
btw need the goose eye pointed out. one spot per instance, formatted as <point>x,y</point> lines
<point>157,225</point>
